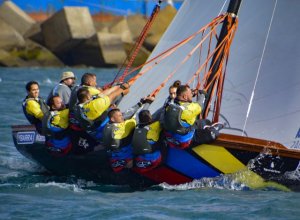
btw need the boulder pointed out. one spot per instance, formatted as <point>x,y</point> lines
<point>67,28</point>
<point>9,37</point>
<point>103,49</point>
<point>15,17</point>
<point>121,28</point>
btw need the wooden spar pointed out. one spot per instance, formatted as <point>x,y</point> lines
<point>233,8</point>
<point>255,145</point>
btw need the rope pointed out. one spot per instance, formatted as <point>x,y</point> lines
<point>136,48</point>
<point>172,49</point>
<point>141,39</point>
<point>259,67</point>
<point>218,87</point>
<point>188,56</point>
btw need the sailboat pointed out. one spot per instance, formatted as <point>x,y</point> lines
<point>260,141</point>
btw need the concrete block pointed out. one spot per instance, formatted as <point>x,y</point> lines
<point>36,53</point>
<point>9,37</point>
<point>103,49</point>
<point>121,28</point>
<point>141,57</point>
<point>35,34</point>
<point>67,28</point>
<point>136,24</point>
<point>6,59</point>
<point>159,26</point>
<point>15,17</point>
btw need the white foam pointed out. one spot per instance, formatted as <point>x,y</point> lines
<point>220,182</point>
<point>20,164</point>
<point>6,176</point>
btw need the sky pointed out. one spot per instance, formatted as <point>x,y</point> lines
<point>117,7</point>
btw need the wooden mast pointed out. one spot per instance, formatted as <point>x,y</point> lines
<point>233,9</point>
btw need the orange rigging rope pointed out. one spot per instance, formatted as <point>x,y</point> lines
<point>154,61</point>
<point>136,48</point>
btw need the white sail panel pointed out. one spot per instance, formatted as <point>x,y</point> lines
<point>275,110</point>
<point>189,19</point>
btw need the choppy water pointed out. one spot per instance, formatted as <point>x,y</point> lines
<point>27,192</point>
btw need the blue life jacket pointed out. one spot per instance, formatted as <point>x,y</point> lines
<point>57,137</point>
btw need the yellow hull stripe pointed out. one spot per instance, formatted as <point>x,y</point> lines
<point>254,181</point>
<point>224,161</point>
<point>219,157</point>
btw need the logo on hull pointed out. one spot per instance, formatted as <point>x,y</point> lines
<point>25,137</point>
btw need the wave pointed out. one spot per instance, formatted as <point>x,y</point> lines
<point>20,164</point>
<point>67,186</point>
<point>220,182</point>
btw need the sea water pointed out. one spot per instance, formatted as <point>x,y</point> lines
<point>27,191</point>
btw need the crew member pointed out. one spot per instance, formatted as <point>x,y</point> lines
<point>34,107</point>
<point>56,126</point>
<point>91,112</point>
<point>63,89</point>
<point>145,143</point>
<point>117,135</point>
<point>83,142</point>
<point>179,118</point>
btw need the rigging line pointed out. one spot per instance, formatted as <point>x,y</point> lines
<point>167,52</point>
<point>222,7</point>
<point>259,66</point>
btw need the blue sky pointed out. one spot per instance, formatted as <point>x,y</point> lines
<point>118,7</point>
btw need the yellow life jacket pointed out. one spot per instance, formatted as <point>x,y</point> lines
<point>179,117</point>
<point>92,114</point>
<point>34,109</point>
<point>118,135</point>
<point>190,112</point>
<point>60,118</point>
<point>73,98</point>
<point>94,108</point>
<point>56,124</point>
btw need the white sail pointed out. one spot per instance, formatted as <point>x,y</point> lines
<point>263,62</point>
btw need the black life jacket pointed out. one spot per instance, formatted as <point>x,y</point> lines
<point>172,119</point>
<point>44,107</point>
<point>110,142</point>
<point>140,145</point>
<point>73,98</point>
